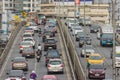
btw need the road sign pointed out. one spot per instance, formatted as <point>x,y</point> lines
<point>16,17</point>
<point>24,14</point>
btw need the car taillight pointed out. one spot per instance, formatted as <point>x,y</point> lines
<point>23,78</point>
<point>21,47</point>
<point>48,65</point>
<point>103,72</point>
<point>62,65</point>
<point>44,45</point>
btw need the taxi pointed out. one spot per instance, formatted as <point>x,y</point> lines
<point>95,58</point>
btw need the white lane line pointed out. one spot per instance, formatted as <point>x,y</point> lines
<point>9,55</point>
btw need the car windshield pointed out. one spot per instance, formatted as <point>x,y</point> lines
<point>117,55</point>
<point>28,39</point>
<point>26,43</point>
<point>94,26</point>
<point>87,38</point>
<point>47,33</point>
<point>26,35</point>
<point>107,35</point>
<point>19,59</point>
<point>53,53</point>
<point>95,57</point>
<point>27,49</point>
<point>74,24</point>
<point>16,73</point>
<point>96,66</point>
<point>88,47</point>
<point>28,29</point>
<point>55,62</point>
<point>51,41</point>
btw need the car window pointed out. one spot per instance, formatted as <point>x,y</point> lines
<point>19,60</point>
<point>95,57</point>
<point>26,43</point>
<point>51,41</point>
<point>96,66</point>
<point>53,54</point>
<point>26,35</point>
<point>16,73</point>
<point>117,55</point>
<point>55,62</point>
<point>28,49</point>
<point>28,29</point>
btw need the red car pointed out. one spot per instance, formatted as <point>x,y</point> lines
<point>49,77</point>
<point>96,71</point>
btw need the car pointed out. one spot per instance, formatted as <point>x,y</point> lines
<point>77,29</point>
<point>46,34</point>
<point>29,30</point>
<point>16,75</point>
<point>79,35</point>
<point>51,54</point>
<point>55,65</point>
<point>88,40</point>
<point>27,35</point>
<point>87,50</point>
<point>95,58</point>
<point>94,28</point>
<point>19,63</point>
<point>49,77</point>
<point>28,52</point>
<point>96,71</point>
<point>73,25</point>
<point>50,42</point>
<point>81,41</point>
<point>30,40</point>
<point>24,44</point>
<point>34,27</point>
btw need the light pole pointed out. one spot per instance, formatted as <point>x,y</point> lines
<point>114,31</point>
<point>85,41</point>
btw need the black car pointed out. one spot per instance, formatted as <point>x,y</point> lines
<point>81,41</point>
<point>94,28</point>
<point>79,35</point>
<point>50,42</point>
<point>88,40</point>
<point>51,54</point>
<point>16,75</point>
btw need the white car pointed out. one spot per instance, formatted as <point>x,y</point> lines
<point>26,35</point>
<point>29,30</point>
<point>34,27</point>
<point>24,44</point>
<point>77,29</point>
<point>30,40</point>
<point>55,65</point>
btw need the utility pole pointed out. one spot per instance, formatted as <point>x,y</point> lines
<point>114,31</point>
<point>85,41</point>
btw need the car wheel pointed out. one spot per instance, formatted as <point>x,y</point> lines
<point>26,69</point>
<point>89,76</point>
<point>48,72</point>
<point>82,55</point>
<point>62,72</point>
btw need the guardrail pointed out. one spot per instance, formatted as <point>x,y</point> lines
<point>76,65</point>
<point>66,50</point>
<point>9,44</point>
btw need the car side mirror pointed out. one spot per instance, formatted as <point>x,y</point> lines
<point>7,73</point>
<point>44,54</point>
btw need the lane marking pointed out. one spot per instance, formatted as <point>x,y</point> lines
<point>64,58</point>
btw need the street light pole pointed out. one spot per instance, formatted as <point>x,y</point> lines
<point>85,41</point>
<point>114,31</point>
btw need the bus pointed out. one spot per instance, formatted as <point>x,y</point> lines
<point>106,35</point>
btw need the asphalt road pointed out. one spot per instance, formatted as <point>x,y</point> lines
<point>104,51</point>
<point>33,65</point>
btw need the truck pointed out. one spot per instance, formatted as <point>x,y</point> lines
<point>117,56</point>
<point>106,35</point>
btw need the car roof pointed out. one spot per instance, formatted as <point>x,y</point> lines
<point>49,76</point>
<point>95,54</point>
<point>55,59</point>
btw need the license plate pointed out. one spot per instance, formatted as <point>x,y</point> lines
<point>96,74</point>
<point>28,55</point>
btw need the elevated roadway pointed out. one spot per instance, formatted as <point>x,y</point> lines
<point>33,65</point>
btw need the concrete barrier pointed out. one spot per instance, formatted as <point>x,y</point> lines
<point>9,44</point>
<point>77,68</point>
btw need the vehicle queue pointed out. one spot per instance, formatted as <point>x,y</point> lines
<point>28,49</point>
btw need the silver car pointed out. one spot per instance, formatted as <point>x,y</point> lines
<point>55,65</point>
